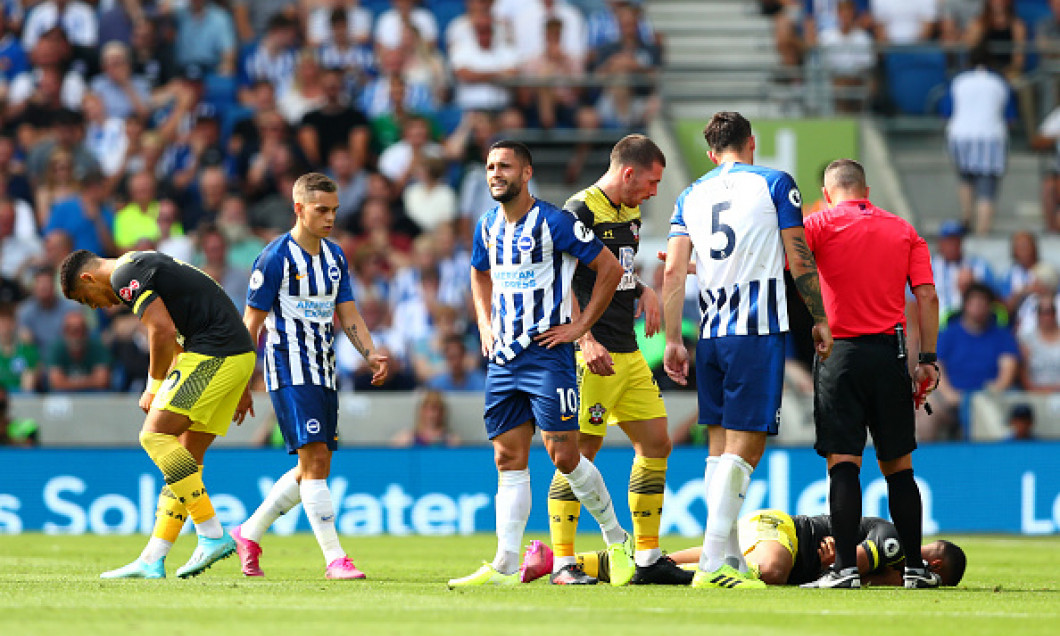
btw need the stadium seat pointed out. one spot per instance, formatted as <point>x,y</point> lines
<point>445,11</point>
<point>914,78</point>
<point>376,6</point>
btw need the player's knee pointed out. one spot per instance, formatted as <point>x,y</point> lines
<point>773,573</point>
<point>566,459</point>
<point>510,459</point>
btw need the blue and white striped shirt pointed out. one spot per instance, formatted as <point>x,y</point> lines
<point>300,292</point>
<point>531,263</point>
<point>734,215</point>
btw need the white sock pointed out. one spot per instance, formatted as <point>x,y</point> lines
<point>155,549</point>
<point>284,495</point>
<point>725,495</point>
<point>316,500</point>
<point>211,528</point>
<point>588,486</point>
<point>558,563</point>
<point>644,558</point>
<point>513,511</point>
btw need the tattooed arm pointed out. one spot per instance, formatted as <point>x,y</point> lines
<point>804,271</point>
<point>353,324</point>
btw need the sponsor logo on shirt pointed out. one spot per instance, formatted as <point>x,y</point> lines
<point>316,308</point>
<point>129,290</point>
<point>522,279</point>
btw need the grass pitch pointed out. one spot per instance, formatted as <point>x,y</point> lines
<point>49,585</point>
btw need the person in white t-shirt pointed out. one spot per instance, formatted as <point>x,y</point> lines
<point>480,65</point>
<point>390,24</point>
<point>848,54</point>
<point>904,21</point>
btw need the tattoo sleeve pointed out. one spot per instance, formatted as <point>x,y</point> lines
<point>807,282</point>
<point>355,338</point>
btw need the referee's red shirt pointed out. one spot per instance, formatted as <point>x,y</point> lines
<point>865,256</point>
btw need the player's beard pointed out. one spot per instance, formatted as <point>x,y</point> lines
<point>513,190</point>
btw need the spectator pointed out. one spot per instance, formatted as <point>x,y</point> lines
<point>171,237</point>
<point>904,21</point>
<point>977,135</point>
<point>320,27</point>
<point>390,99</point>
<point>368,276</point>
<point>252,17</point>
<point>243,245</point>
<point>15,251</point>
<point>1047,35</point>
<point>13,59</point>
<point>630,100</point>
<point>352,182</point>
<point>123,93</point>
<point>1021,423</point>
<point>457,376</point>
<point>602,26</point>
<point>1002,34</point>
<point>19,359</point>
<point>139,218</point>
<point>390,23</point>
<point>1044,284</point>
<point>104,136</point>
<point>1017,283</point>
<point>13,181</point>
<point>460,29</point>
<point>798,25</point>
<point>429,201</point>
<point>400,162</point>
<point>556,100</point>
<point>203,202</point>
<point>1047,138</point>
<point>423,64</point>
<point>530,34</point>
<point>335,122</point>
<point>76,19</point>
<point>50,83</point>
<point>377,232</point>
<point>848,55</point>
<point>68,135</point>
<point>205,37</point>
<point>213,259</point>
<point>975,354</point>
<point>198,150</point>
<point>344,49</point>
<point>272,58</point>
<point>305,92</point>
<point>950,264</point>
<point>84,216</point>
<point>1040,350</point>
<point>153,55</point>
<point>16,431</point>
<point>481,66</point>
<point>431,427</point>
<point>957,16</point>
<point>78,361</point>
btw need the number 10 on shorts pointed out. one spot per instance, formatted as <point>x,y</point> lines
<point>568,403</point>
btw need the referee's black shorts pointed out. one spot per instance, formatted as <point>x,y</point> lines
<point>864,385</point>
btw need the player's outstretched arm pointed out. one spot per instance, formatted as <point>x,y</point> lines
<point>675,357</point>
<point>162,345</point>
<point>353,324</point>
<point>804,271</point>
<point>481,297</point>
<point>608,273</point>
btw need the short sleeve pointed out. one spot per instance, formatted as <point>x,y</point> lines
<point>788,201</point>
<point>944,347</point>
<point>1007,344</point>
<point>883,546</point>
<point>345,291</point>
<point>480,258</point>
<point>570,235</point>
<point>920,262</point>
<point>1051,125</point>
<point>677,219</point>
<point>265,279</point>
<point>812,225</point>
<point>134,285</point>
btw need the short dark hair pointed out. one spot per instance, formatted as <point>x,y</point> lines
<point>518,147</point>
<point>637,151</point>
<point>846,174</point>
<point>727,130</point>
<point>71,269</point>
<point>312,182</point>
<point>954,563</point>
<point>978,288</point>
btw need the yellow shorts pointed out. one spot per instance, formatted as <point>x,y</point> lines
<point>206,389</point>
<point>768,525</point>
<point>629,395</point>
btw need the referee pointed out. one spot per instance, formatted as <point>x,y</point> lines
<point>865,258</point>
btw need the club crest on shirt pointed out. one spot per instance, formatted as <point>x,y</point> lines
<point>596,414</point>
<point>334,274</point>
<point>525,243</point>
<point>635,230</point>
<point>127,292</point>
<point>256,279</point>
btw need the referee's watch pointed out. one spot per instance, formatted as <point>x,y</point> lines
<point>927,358</point>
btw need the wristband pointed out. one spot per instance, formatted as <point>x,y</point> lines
<point>927,358</point>
<point>153,385</point>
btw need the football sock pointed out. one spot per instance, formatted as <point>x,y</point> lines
<point>903,498</point>
<point>155,549</point>
<point>728,485</point>
<point>647,483</point>
<point>513,510</point>
<point>169,517</point>
<point>595,564</point>
<point>844,502</point>
<point>563,512</point>
<point>316,500</point>
<point>588,486</point>
<point>184,479</point>
<point>284,495</point>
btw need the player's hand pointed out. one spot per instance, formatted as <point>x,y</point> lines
<point>597,357</point>
<point>826,552</point>
<point>649,306</point>
<point>145,400</point>
<point>822,340</point>
<point>560,334</point>
<point>380,365</point>
<point>246,405</point>
<point>661,255</point>
<point>485,336</point>
<point>925,380</point>
<point>675,362</point>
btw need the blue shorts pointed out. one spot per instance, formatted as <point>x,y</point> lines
<point>307,413</point>
<point>539,384</point>
<point>740,380</point>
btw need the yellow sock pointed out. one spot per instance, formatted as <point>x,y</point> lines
<point>563,511</point>
<point>170,516</point>
<point>647,483</point>
<point>181,473</point>
<point>595,564</point>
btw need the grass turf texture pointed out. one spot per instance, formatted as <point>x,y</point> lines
<point>50,585</point>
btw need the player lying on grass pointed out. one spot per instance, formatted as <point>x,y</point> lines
<point>790,550</point>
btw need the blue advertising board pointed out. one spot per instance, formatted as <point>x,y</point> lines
<point>1005,487</point>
